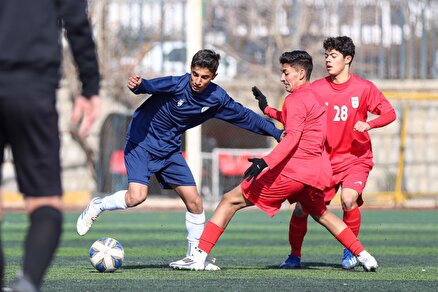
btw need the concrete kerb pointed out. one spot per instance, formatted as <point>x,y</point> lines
<point>77,201</point>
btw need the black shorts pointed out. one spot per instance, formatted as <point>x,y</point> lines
<point>29,124</point>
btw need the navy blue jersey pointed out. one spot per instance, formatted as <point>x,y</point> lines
<point>157,125</point>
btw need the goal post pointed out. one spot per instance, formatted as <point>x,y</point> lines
<point>229,165</point>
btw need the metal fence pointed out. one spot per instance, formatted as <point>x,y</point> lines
<point>394,38</point>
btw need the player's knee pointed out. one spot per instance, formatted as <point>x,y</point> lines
<point>348,203</point>
<point>349,199</point>
<point>135,197</point>
<point>234,201</point>
<point>194,205</point>
<point>34,203</point>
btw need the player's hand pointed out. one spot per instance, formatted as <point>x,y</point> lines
<point>258,164</point>
<point>85,113</point>
<point>134,82</point>
<point>283,134</point>
<point>261,98</point>
<point>361,126</point>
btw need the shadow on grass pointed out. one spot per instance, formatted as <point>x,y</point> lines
<point>141,267</point>
<point>304,266</point>
<point>309,266</point>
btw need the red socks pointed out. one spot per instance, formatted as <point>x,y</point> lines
<point>210,236</point>
<point>352,218</point>
<point>350,241</point>
<point>297,231</point>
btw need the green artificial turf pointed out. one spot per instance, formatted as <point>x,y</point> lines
<point>404,243</point>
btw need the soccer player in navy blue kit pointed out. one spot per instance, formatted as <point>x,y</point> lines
<point>153,143</point>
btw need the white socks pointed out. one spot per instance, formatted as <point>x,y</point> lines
<point>114,202</point>
<point>199,255</point>
<point>194,226</point>
<point>363,255</point>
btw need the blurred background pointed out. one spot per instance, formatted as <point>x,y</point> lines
<point>396,48</point>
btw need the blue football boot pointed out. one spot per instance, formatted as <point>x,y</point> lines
<point>292,262</point>
<point>349,261</point>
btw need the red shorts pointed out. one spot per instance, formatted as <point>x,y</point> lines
<point>271,189</point>
<point>353,178</point>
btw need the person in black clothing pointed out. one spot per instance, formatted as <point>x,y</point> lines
<point>30,61</point>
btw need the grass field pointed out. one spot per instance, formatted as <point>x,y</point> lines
<point>405,243</point>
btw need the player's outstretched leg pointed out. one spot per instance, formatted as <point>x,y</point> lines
<point>367,261</point>
<point>97,205</point>
<point>89,215</point>
<point>348,239</point>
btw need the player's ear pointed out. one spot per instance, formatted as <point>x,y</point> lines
<point>348,60</point>
<point>214,76</point>
<point>302,74</point>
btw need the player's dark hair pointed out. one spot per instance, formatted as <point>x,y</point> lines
<point>206,59</point>
<point>342,44</point>
<point>300,59</point>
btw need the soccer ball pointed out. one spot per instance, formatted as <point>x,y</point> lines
<point>106,255</point>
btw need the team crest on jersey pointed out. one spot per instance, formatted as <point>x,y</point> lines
<point>205,108</point>
<point>180,102</point>
<point>355,101</point>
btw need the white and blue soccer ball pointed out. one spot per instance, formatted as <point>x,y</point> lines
<point>106,255</point>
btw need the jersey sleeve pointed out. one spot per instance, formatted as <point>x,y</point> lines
<point>238,115</point>
<point>379,105</point>
<point>383,120</point>
<point>274,114</point>
<point>168,84</point>
<point>79,35</point>
<point>295,121</point>
<point>377,102</point>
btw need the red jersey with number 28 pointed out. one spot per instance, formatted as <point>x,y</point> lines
<point>300,155</point>
<point>348,103</point>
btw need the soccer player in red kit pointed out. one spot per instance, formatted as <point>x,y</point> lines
<point>348,98</point>
<point>298,168</point>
